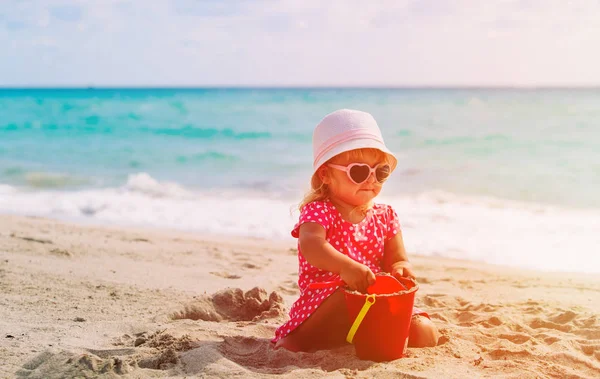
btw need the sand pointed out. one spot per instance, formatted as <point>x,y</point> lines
<point>114,302</point>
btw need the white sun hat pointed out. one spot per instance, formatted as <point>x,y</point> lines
<point>345,130</point>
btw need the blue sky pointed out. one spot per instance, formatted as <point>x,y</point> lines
<point>299,42</point>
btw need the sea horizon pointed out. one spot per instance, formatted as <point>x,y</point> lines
<point>308,87</point>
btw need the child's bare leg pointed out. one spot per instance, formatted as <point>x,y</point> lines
<point>326,328</point>
<point>423,332</point>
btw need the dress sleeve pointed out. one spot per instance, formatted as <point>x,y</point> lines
<point>393,224</point>
<point>315,212</point>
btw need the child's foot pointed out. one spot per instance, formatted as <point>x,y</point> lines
<point>287,344</point>
<point>423,332</point>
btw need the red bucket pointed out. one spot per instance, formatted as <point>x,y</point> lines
<point>381,318</point>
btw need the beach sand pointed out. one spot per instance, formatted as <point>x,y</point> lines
<point>91,301</point>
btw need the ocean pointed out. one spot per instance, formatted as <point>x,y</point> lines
<point>505,176</point>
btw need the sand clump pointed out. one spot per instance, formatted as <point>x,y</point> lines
<point>52,364</point>
<point>233,304</point>
<point>168,348</point>
<point>160,352</point>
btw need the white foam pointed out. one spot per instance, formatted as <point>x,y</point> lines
<point>434,223</point>
<point>145,184</point>
<point>500,232</point>
<point>6,190</point>
<point>144,201</point>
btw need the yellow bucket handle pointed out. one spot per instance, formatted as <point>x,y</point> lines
<point>360,317</point>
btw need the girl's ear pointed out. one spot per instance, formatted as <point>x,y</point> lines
<point>323,174</point>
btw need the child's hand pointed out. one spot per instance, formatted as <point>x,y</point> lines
<point>357,276</point>
<point>402,269</point>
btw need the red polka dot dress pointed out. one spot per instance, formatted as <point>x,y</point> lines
<point>362,242</point>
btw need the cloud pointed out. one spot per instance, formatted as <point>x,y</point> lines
<point>290,42</point>
<point>211,8</point>
<point>68,13</point>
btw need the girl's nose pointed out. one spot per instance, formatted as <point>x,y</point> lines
<point>371,179</point>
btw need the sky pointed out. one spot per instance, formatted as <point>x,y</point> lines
<point>387,43</point>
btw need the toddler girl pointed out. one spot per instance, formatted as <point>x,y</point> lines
<point>342,234</point>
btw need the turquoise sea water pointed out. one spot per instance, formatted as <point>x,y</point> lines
<point>528,145</point>
<point>168,157</point>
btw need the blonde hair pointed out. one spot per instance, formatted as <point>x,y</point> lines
<point>319,191</point>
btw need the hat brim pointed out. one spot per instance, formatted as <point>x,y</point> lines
<point>353,145</point>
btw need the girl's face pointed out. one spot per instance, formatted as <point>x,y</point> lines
<point>341,188</point>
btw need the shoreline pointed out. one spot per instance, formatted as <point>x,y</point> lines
<point>84,294</point>
<point>483,229</point>
<point>289,243</point>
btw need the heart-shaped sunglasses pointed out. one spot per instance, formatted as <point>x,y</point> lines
<point>358,173</point>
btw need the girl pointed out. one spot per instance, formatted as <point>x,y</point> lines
<point>343,234</point>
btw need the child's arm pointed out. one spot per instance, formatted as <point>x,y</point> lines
<point>395,260</point>
<point>321,254</point>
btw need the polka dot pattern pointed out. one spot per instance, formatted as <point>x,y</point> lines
<point>362,242</point>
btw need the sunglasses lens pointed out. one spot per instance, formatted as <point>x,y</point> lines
<point>382,173</point>
<point>360,173</point>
